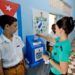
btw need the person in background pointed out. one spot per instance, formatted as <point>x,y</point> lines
<point>61,50</point>
<point>52,34</point>
<point>11,56</point>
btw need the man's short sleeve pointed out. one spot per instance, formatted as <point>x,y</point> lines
<point>21,42</point>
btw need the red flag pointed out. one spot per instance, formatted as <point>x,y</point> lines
<point>8,8</point>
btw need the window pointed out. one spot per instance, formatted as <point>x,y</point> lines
<point>52,19</point>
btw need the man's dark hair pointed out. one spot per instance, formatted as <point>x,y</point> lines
<point>6,19</point>
<point>53,28</point>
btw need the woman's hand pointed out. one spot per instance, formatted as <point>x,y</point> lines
<point>45,57</point>
<point>48,38</point>
<point>39,35</point>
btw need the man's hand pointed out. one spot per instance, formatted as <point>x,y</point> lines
<point>39,35</point>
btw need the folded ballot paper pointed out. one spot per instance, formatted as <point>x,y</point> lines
<point>47,62</point>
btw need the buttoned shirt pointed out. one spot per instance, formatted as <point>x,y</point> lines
<point>11,51</point>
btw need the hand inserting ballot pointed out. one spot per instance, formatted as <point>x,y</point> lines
<point>46,59</point>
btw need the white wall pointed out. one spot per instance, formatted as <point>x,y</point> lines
<point>26,12</point>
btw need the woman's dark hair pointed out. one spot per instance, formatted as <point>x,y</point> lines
<point>53,28</point>
<point>67,23</point>
<point>6,19</point>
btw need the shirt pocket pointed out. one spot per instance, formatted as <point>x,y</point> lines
<point>7,51</point>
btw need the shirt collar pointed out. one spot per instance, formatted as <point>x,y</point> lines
<point>5,38</point>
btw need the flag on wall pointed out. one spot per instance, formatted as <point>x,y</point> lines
<point>8,8</point>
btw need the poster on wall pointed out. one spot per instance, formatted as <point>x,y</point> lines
<point>40,21</point>
<point>12,9</point>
